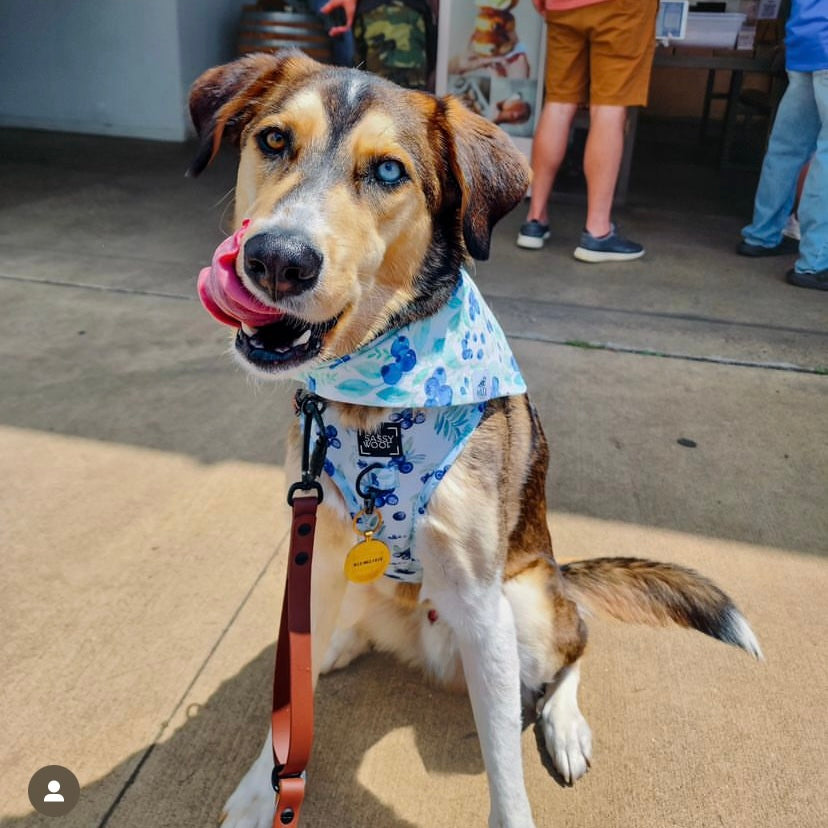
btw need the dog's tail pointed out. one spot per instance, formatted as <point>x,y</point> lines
<point>648,592</point>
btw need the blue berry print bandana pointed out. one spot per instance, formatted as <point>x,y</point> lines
<point>458,356</point>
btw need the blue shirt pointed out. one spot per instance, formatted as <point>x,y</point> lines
<point>806,36</point>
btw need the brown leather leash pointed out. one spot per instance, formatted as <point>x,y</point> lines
<point>292,716</point>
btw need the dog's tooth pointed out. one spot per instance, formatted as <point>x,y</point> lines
<point>302,340</point>
<point>248,330</point>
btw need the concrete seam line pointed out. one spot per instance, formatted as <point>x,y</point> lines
<point>624,349</point>
<point>513,303</point>
<point>603,346</point>
<point>102,288</point>
<point>165,724</point>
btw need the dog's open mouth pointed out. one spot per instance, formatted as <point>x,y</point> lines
<point>268,338</point>
<point>283,344</point>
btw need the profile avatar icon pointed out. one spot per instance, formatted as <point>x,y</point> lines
<point>53,795</point>
<point>54,790</point>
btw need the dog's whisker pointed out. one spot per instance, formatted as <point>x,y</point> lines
<point>225,226</point>
<point>223,198</point>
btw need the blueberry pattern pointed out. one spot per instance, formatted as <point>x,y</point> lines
<point>460,355</point>
<point>435,375</point>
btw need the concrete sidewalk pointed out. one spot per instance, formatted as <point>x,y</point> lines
<point>143,547</point>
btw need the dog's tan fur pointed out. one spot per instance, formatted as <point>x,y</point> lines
<point>508,615</point>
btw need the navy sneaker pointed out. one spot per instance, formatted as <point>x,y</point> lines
<point>532,235</point>
<point>801,278</point>
<point>609,248</point>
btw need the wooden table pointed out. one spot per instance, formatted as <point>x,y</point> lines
<point>738,63</point>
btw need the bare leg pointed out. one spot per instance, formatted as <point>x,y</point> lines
<point>602,161</point>
<point>548,152</point>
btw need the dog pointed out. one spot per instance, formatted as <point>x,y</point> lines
<point>357,205</point>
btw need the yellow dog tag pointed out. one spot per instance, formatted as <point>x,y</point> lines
<point>369,559</point>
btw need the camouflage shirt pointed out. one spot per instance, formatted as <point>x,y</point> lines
<point>393,41</point>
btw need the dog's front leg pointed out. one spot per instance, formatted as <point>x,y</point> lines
<point>482,620</point>
<point>333,538</point>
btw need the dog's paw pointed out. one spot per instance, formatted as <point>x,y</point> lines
<point>568,739</point>
<point>512,820</point>
<point>345,646</point>
<point>253,803</point>
<point>248,808</point>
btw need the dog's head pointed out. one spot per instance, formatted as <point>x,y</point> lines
<point>363,198</point>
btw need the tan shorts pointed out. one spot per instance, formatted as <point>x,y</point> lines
<point>601,54</point>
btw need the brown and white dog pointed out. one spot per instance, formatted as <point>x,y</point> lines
<point>377,251</point>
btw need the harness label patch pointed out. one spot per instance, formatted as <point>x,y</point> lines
<point>386,441</point>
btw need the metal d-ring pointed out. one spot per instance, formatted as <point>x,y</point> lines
<point>367,532</point>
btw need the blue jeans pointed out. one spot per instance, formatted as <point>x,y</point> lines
<point>799,132</point>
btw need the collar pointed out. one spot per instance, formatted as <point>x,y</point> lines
<point>457,356</point>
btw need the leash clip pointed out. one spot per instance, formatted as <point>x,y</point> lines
<point>313,461</point>
<point>276,777</point>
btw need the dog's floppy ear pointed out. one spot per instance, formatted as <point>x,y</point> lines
<point>492,174</point>
<point>223,99</point>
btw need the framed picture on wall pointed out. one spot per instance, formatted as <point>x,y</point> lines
<point>490,54</point>
<point>671,21</point>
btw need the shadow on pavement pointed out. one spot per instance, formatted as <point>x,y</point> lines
<point>184,780</point>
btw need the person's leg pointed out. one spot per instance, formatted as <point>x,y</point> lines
<point>602,161</point>
<point>813,207</point>
<point>567,76</point>
<point>548,151</point>
<point>622,43</point>
<point>792,141</point>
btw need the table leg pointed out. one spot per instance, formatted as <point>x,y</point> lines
<point>736,78</point>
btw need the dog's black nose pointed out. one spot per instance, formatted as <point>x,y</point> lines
<point>282,264</point>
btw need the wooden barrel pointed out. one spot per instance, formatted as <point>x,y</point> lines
<point>269,31</point>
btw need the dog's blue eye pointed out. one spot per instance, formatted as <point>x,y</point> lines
<point>273,141</point>
<point>389,171</point>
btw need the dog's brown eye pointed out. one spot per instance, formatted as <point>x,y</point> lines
<point>273,141</point>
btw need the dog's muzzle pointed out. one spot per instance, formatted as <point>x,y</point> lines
<point>281,264</point>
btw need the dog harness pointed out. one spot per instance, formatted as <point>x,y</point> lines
<point>435,375</point>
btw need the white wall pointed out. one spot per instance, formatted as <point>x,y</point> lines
<point>114,67</point>
<point>207,34</point>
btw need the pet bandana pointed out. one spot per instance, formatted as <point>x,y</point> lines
<point>436,374</point>
<point>458,356</point>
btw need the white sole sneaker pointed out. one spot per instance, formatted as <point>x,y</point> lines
<point>583,254</point>
<point>532,242</point>
<point>792,230</point>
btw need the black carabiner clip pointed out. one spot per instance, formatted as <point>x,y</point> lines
<point>370,494</point>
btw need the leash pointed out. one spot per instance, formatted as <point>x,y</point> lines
<point>292,716</point>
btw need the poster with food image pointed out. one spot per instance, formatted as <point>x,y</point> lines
<point>490,54</point>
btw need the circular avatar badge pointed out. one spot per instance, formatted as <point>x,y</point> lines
<point>54,790</point>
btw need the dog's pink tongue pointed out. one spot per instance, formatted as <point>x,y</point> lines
<point>224,296</point>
